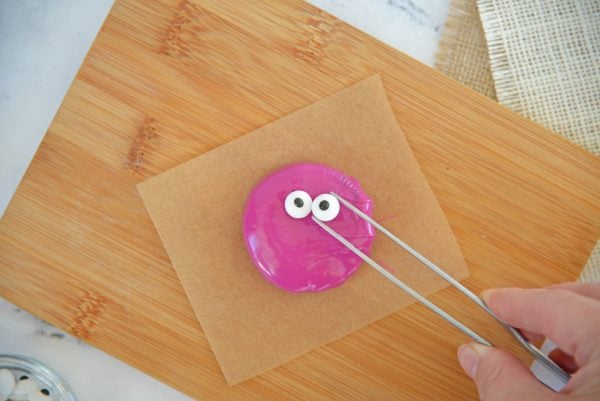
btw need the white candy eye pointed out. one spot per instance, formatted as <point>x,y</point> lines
<point>298,204</point>
<point>325,207</point>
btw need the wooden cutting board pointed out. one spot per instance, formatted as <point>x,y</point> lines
<point>168,80</point>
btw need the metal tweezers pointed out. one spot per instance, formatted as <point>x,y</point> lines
<point>543,359</point>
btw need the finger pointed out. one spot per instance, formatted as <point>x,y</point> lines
<point>590,290</point>
<point>564,360</point>
<point>499,375</point>
<point>570,320</point>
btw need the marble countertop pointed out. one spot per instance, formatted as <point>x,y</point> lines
<point>42,45</point>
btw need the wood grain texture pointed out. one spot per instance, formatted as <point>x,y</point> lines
<point>168,80</point>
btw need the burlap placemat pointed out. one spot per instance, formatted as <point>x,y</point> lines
<point>545,65</point>
<point>462,52</point>
<point>591,271</point>
<point>545,59</point>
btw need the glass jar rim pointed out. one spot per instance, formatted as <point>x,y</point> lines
<point>61,391</point>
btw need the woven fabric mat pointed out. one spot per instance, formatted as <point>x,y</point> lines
<point>543,62</point>
<point>545,59</point>
<point>591,271</point>
<point>462,52</point>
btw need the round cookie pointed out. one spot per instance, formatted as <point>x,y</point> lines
<point>288,248</point>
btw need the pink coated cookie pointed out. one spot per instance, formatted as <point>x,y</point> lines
<point>288,248</point>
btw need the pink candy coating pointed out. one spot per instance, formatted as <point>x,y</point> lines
<point>296,254</point>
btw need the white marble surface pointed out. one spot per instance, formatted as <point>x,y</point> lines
<point>412,26</point>
<point>42,45</point>
<point>92,374</point>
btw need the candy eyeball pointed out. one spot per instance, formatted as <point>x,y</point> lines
<point>7,383</point>
<point>298,204</point>
<point>23,389</point>
<point>325,207</point>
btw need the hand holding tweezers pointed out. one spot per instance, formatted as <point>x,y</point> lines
<point>533,350</point>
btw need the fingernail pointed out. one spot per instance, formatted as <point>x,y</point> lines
<point>468,356</point>
<point>486,295</point>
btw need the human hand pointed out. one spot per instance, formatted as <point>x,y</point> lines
<point>569,315</point>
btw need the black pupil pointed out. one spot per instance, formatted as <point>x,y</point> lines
<point>45,391</point>
<point>324,205</point>
<point>298,202</point>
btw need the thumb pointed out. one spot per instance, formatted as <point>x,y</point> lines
<point>501,376</point>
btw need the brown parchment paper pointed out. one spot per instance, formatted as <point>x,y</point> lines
<point>197,209</point>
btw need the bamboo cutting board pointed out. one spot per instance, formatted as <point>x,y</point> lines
<point>168,80</point>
